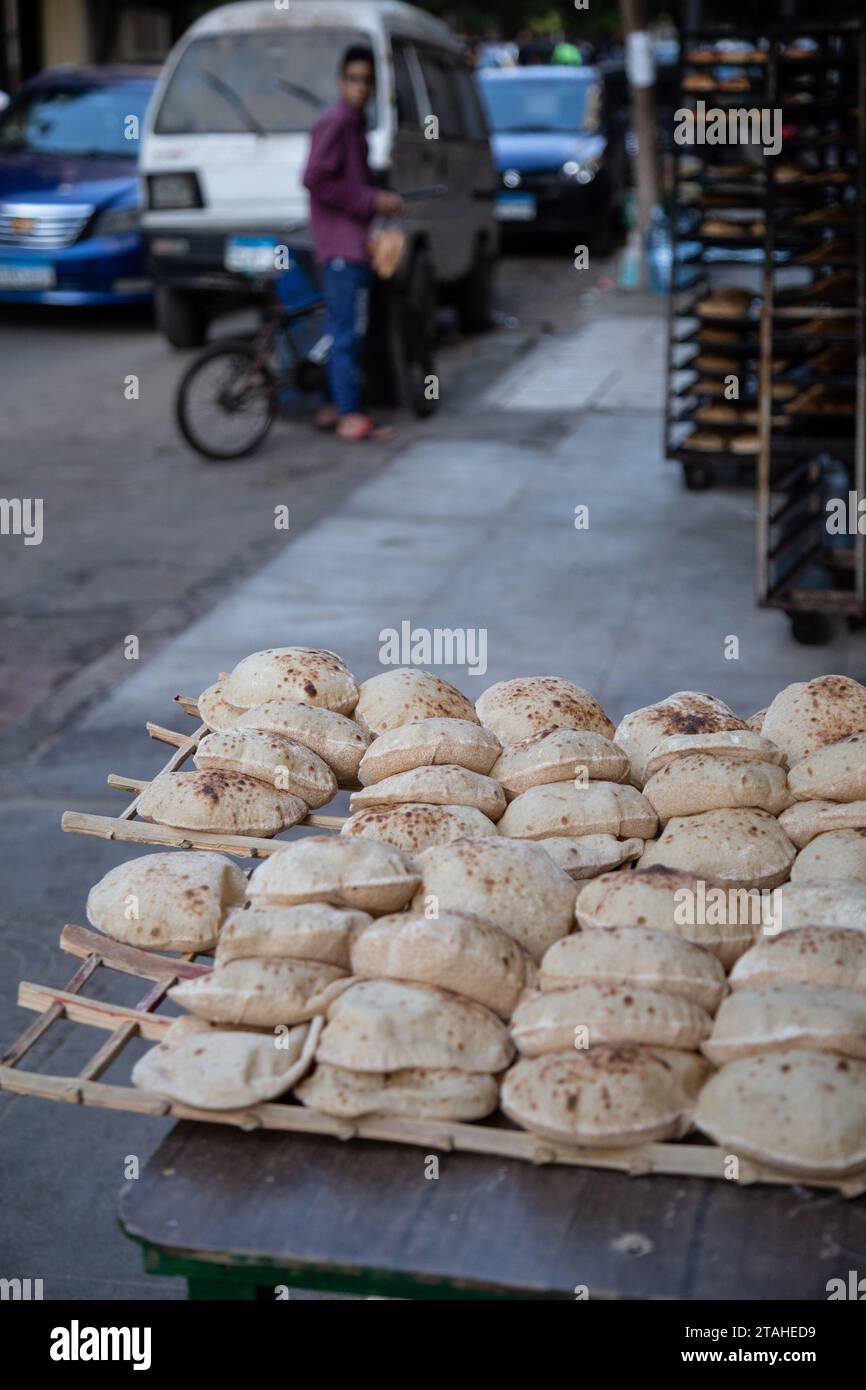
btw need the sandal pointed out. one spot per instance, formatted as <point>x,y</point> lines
<point>364,429</point>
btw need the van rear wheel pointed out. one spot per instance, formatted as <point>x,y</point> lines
<point>474,298</point>
<point>181,317</point>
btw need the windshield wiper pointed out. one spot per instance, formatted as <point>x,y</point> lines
<point>302,92</point>
<point>233,99</point>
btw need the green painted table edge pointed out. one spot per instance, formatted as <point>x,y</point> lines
<point>246,1280</point>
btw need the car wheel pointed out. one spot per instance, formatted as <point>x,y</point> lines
<point>181,317</point>
<point>475,293</point>
<point>411,337</point>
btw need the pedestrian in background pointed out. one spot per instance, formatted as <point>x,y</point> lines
<point>343,203</point>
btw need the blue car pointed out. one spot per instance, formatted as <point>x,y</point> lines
<point>69,188</point>
<point>559,151</point>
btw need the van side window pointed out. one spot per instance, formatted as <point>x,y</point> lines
<point>471,109</point>
<point>404,92</point>
<point>439,73</point>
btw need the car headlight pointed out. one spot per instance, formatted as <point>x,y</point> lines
<point>173,191</point>
<point>583,172</point>
<point>117,222</point>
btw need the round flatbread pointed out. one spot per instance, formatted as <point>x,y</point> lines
<point>806,819</point>
<point>218,1069</point>
<point>711,914</point>
<point>829,957</point>
<point>415,828</point>
<point>336,869</point>
<point>743,848</point>
<point>608,1097</point>
<point>559,755</point>
<point>821,902</point>
<point>226,803</point>
<point>337,740</point>
<point>429,743</point>
<point>836,772</point>
<point>516,709</point>
<point>840,854</point>
<point>413,1093</point>
<point>309,931</point>
<point>585,1015</point>
<point>587,856</point>
<point>260,993</point>
<point>697,782</point>
<point>435,786</point>
<point>638,957</point>
<point>685,712</point>
<point>404,696</point>
<point>283,764</point>
<point>311,675</point>
<point>214,709</point>
<point>166,902</point>
<point>777,1017</point>
<point>386,1026</point>
<point>456,951</point>
<point>594,808</point>
<point>742,745</point>
<point>799,1111</point>
<point>809,715</point>
<point>512,883</point>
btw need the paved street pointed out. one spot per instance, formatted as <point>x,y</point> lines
<point>466,521</point>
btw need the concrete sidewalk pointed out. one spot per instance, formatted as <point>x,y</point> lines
<point>474,528</point>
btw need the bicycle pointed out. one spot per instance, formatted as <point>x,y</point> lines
<point>229,397</point>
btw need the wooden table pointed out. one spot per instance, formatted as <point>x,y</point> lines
<point>239,1214</point>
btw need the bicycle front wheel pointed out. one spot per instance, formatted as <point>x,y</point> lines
<point>226,402</point>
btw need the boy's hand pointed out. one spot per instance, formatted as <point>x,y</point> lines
<point>388,204</point>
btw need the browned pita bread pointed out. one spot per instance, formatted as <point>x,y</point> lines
<point>808,715</point>
<point>166,902</point>
<point>697,782</point>
<point>214,709</point>
<point>387,1026</point>
<point>428,743</point>
<point>260,993</point>
<point>686,712</point>
<point>559,755</point>
<point>595,808</point>
<point>308,931</point>
<point>778,1017</point>
<point>585,1015</point>
<point>836,772</point>
<point>510,882</point>
<point>830,957</point>
<point>587,856</point>
<point>272,758</point>
<point>434,786</point>
<point>742,745</point>
<point>415,828</point>
<point>839,854</point>
<point>336,869</point>
<point>806,819</point>
<point>403,696</point>
<point>308,674</point>
<point>456,951</point>
<point>743,848</point>
<point>607,1097</point>
<point>413,1093</point>
<point>229,803</point>
<point>640,957</point>
<point>221,1069</point>
<point>517,709</point>
<point>337,740</point>
<point>801,1112</point>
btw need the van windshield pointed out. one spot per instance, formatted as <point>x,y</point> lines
<point>270,82</point>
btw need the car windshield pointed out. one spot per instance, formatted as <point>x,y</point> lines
<point>272,82</point>
<point>541,104</point>
<point>76,121</point>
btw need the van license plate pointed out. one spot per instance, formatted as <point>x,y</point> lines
<point>516,207</point>
<point>251,255</point>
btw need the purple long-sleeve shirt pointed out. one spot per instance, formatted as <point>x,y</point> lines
<point>342,193</point>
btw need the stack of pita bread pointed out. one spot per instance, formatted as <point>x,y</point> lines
<point>526,907</point>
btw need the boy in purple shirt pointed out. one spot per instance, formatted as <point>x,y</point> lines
<point>343,202</point>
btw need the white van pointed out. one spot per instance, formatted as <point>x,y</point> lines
<point>227,139</point>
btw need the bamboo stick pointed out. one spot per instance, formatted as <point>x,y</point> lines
<point>136,784</point>
<point>91,1011</point>
<point>130,960</point>
<point>144,833</point>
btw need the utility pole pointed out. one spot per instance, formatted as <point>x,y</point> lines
<point>640,68</point>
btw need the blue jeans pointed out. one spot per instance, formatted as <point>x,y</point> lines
<point>346,286</point>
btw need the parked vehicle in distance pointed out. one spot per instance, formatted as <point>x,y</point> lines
<point>227,141</point>
<point>559,154</point>
<point>69,188</point>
